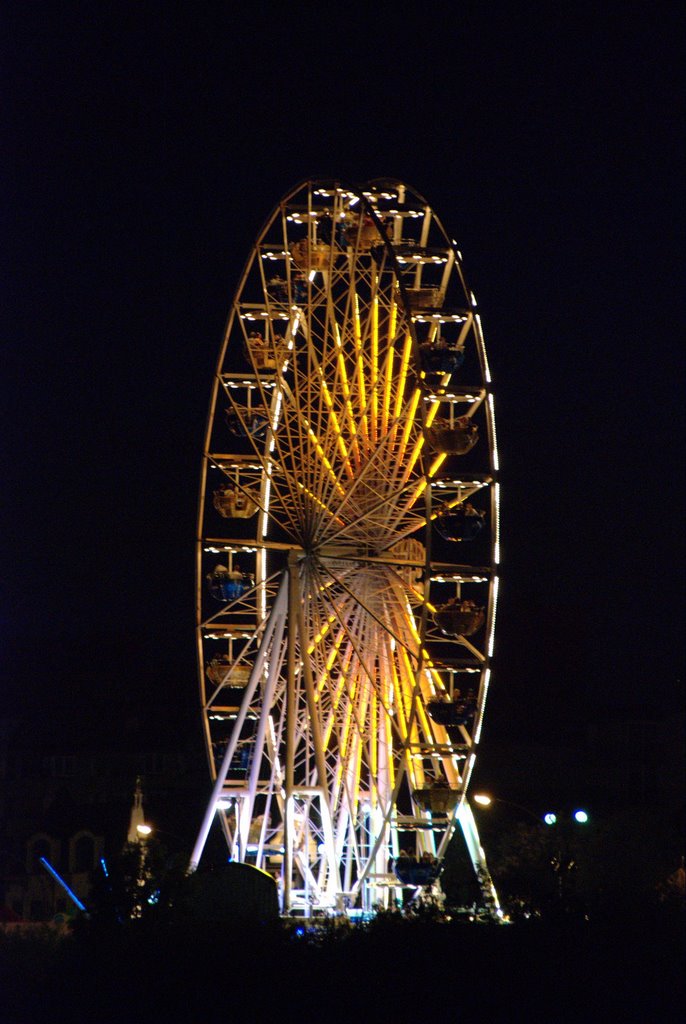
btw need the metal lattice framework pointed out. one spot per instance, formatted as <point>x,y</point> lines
<point>348,550</point>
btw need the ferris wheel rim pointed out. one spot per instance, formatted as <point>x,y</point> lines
<point>319,554</point>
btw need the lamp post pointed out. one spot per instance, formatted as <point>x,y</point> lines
<point>484,800</point>
<point>153,831</point>
<point>561,858</point>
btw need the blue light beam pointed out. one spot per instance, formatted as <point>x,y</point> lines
<point>72,895</point>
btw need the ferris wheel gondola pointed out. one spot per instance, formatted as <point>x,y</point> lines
<point>351,414</point>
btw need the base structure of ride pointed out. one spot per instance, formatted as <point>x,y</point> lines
<point>347,561</point>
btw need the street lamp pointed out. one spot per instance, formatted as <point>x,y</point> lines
<point>549,818</point>
<point>146,831</point>
<point>562,859</point>
<point>485,801</point>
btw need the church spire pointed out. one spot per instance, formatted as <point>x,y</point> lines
<point>137,816</point>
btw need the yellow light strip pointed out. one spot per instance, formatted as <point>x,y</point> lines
<point>322,455</point>
<point>426,694</point>
<point>407,678</point>
<point>411,412</point>
<point>418,491</point>
<point>336,696</point>
<point>360,365</point>
<point>373,727</point>
<point>354,771</point>
<point>400,716</point>
<point>404,363</point>
<point>357,330</point>
<point>317,501</point>
<point>388,734</point>
<point>393,321</point>
<point>345,669</point>
<point>431,414</point>
<point>422,485</point>
<point>361,720</point>
<point>345,735</point>
<point>451,504</point>
<point>375,368</point>
<point>401,704</point>
<point>439,685</point>
<point>439,733</point>
<point>387,391</point>
<point>416,451</point>
<point>346,390</point>
<point>410,623</point>
<point>321,634</point>
<point>336,700</point>
<point>420,594</point>
<point>333,654</point>
<point>336,426</point>
<point>436,464</point>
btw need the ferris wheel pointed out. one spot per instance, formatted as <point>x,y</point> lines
<point>348,552</point>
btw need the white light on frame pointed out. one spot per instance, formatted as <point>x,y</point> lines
<point>487,369</point>
<point>491,639</point>
<point>496,544</point>
<point>491,405</point>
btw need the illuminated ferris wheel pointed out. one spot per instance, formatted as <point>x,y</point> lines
<point>348,551</point>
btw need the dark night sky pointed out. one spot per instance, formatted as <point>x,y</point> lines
<point>143,151</point>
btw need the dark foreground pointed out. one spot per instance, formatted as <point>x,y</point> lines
<point>392,970</point>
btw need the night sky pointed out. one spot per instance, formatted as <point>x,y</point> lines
<point>144,149</point>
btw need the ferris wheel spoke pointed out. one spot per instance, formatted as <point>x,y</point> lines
<point>378,534</point>
<point>282,480</point>
<point>362,671</point>
<point>282,442</point>
<point>380,474</point>
<point>356,595</point>
<point>321,479</point>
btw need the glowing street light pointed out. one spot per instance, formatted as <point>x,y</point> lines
<point>561,842</point>
<point>580,816</point>
<point>144,830</point>
<point>485,801</point>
